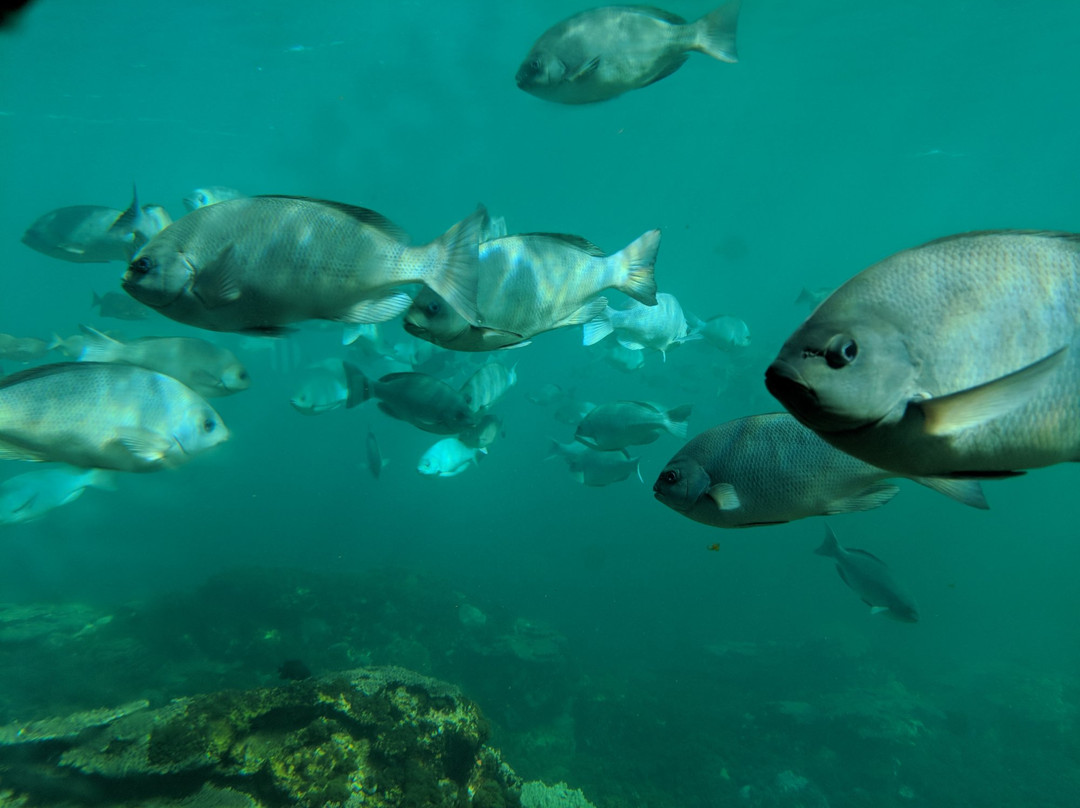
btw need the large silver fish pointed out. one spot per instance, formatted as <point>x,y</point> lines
<point>604,52</point>
<point>208,369</point>
<point>871,579</point>
<point>768,469</point>
<point>261,263</point>
<point>595,468</point>
<point>424,401</point>
<point>618,424</point>
<point>95,415</point>
<point>327,385</point>
<point>960,357</point>
<point>487,385</point>
<point>536,282</point>
<point>638,327</point>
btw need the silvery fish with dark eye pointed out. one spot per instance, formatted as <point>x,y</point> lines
<point>261,263</point>
<point>604,52</point>
<point>97,415</point>
<point>619,424</point>
<point>638,327</point>
<point>960,357</point>
<point>768,469</point>
<point>595,468</point>
<point>424,401</point>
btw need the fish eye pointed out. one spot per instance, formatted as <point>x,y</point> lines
<point>432,308</point>
<point>141,266</point>
<point>536,64</point>
<point>669,477</point>
<point>209,424</point>
<point>841,351</point>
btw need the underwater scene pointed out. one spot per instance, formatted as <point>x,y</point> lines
<point>539,404</point>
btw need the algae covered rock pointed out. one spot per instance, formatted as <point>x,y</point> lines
<point>364,737</point>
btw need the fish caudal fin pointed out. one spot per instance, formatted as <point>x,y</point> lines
<point>677,418</point>
<point>597,328</point>
<point>357,384</point>
<point>636,263</point>
<point>830,546</point>
<point>968,492</point>
<point>455,280</point>
<point>715,32</point>
<point>98,347</point>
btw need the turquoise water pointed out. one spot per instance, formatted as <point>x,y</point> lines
<point>847,131</point>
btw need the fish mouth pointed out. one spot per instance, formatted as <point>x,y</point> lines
<point>671,502</point>
<point>414,329</point>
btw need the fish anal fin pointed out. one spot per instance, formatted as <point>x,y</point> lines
<point>377,310</point>
<point>869,498</point>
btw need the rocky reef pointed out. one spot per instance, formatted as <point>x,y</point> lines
<point>364,737</point>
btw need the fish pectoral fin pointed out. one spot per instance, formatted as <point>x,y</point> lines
<point>143,443</point>
<point>586,70</point>
<point>377,309</point>
<point>521,344</point>
<point>630,345</point>
<point>967,408</point>
<point>725,496</point>
<point>216,285</point>
<point>876,609</point>
<point>866,500</point>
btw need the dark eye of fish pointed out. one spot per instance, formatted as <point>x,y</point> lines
<point>209,424</point>
<point>432,308</point>
<point>669,477</point>
<point>841,351</point>
<point>142,266</point>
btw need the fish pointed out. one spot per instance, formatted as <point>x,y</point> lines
<point>533,283</point>
<point>769,469</point>
<point>811,298</point>
<point>960,358</point>
<point>99,415</point>
<point>618,356</point>
<point>208,369</point>
<point>483,433</point>
<point>201,197</point>
<point>30,496</point>
<point>602,53</point>
<point>119,307</point>
<point>92,234</point>
<point>638,327</point>
<point>487,385</point>
<point>871,579</point>
<point>261,263</point>
<point>571,410</point>
<point>331,384</point>
<point>619,424</point>
<point>424,401</point>
<point>448,457</point>
<point>22,349</point>
<point>595,468</point>
<point>546,393</point>
<point>725,332</point>
<point>375,461</point>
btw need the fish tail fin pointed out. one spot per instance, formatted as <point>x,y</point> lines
<point>830,546</point>
<point>677,418</point>
<point>356,383</point>
<point>714,34</point>
<point>95,300</point>
<point>597,328</point>
<point>636,262</point>
<point>967,492</point>
<point>456,277</point>
<point>56,342</point>
<point>98,347</point>
<point>129,224</point>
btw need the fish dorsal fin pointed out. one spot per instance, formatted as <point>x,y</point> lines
<point>865,553</point>
<point>976,405</point>
<point>725,497</point>
<point>869,498</point>
<point>1058,234</point>
<point>660,14</point>
<point>128,221</point>
<point>39,372</point>
<point>364,215</point>
<point>577,242</point>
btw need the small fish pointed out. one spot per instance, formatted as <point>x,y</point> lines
<point>483,434</point>
<point>715,547</point>
<point>201,197</point>
<point>487,385</point>
<point>97,415</point>
<point>91,234</point>
<point>725,332</point>
<point>375,461</point>
<point>871,579</point>
<point>619,356</point>
<point>638,327</point>
<point>22,349</point>
<point>424,401</point>
<point>768,469</point>
<point>957,358</point>
<point>329,385</point>
<point>208,369</point>
<point>595,468</point>
<point>572,410</point>
<point>546,393</point>
<point>261,263</point>
<point>29,496</point>
<point>604,52</point>
<point>293,670</point>
<point>619,424</point>
<point>118,306</point>
<point>448,457</point>
<point>536,282</point>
